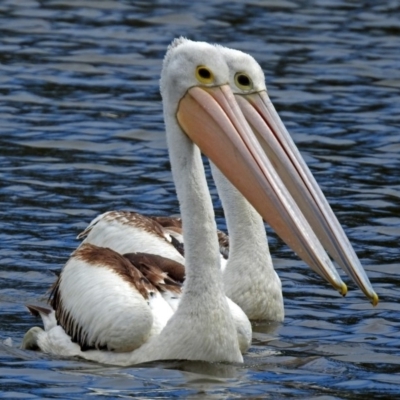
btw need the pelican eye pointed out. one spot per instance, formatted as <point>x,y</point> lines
<point>243,81</point>
<point>204,75</point>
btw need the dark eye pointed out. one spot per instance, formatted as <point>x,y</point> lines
<point>204,75</point>
<point>243,81</point>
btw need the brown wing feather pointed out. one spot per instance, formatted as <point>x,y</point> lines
<point>162,272</point>
<point>168,222</point>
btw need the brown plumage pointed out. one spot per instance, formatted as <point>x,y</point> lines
<point>163,273</point>
<point>168,222</point>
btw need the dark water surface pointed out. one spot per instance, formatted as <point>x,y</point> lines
<point>81,132</point>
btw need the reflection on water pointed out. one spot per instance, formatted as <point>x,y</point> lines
<point>82,133</point>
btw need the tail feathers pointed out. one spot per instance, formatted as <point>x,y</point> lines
<point>47,314</point>
<point>38,310</point>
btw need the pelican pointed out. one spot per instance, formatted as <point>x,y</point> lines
<point>256,288</point>
<point>200,113</point>
<point>248,84</point>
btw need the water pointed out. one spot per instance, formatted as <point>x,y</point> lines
<point>82,132</point>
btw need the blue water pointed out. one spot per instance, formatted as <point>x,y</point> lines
<point>81,132</point>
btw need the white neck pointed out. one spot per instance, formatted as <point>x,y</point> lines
<point>202,327</point>
<point>249,277</point>
<point>202,258</point>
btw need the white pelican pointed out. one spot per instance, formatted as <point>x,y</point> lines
<point>248,83</point>
<point>200,113</point>
<point>254,285</point>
